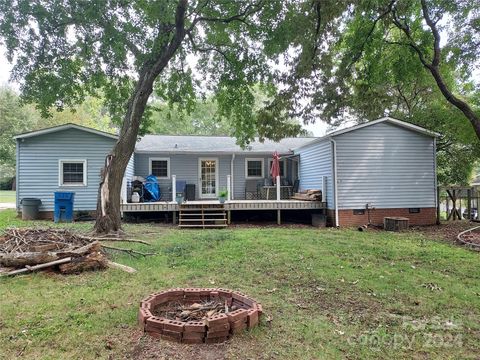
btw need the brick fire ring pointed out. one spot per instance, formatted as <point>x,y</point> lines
<point>214,329</point>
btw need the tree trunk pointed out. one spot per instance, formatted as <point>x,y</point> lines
<point>108,203</point>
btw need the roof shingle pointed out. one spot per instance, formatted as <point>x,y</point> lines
<point>214,144</point>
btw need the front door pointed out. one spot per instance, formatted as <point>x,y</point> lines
<point>208,170</point>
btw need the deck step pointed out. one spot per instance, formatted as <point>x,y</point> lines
<point>200,220</point>
<point>202,216</point>
<point>202,209</point>
<point>203,226</point>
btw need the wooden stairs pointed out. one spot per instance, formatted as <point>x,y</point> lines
<point>202,216</point>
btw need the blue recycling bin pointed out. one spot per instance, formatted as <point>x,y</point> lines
<point>63,206</point>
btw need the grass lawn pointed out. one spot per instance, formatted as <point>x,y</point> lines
<point>330,294</point>
<point>7,196</point>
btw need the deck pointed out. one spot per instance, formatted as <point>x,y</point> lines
<point>228,205</point>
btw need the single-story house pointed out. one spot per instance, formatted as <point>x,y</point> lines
<point>381,168</point>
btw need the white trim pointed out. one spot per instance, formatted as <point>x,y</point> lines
<point>231,190</point>
<point>64,127</point>
<point>167,159</point>
<point>284,167</point>
<point>74,161</point>
<point>217,165</point>
<point>335,182</point>
<point>212,152</point>
<point>246,168</point>
<point>390,120</point>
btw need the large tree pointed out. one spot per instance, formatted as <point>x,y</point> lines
<point>441,36</point>
<point>66,50</point>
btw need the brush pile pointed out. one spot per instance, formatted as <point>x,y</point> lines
<point>30,249</point>
<point>179,311</point>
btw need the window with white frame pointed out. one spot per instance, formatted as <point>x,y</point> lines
<point>72,173</point>
<point>160,167</point>
<point>283,167</point>
<point>254,168</point>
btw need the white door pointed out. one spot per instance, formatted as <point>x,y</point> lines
<point>208,170</point>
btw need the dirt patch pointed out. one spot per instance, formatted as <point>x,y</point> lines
<point>446,231</point>
<point>340,304</point>
<point>147,347</point>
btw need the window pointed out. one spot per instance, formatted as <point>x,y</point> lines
<point>254,168</point>
<point>414,210</point>
<point>283,168</point>
<point>160,167</point>
<point>359,212</point>
<point>72,173</point>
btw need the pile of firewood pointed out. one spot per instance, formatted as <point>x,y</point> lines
<point>308,195</point>
<point>31,249</point>
<point>179,311</point>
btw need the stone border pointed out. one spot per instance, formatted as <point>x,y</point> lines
<point>215,329</point>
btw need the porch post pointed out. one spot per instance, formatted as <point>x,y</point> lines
<point>229,187</point>
<point>278,188</point>
<point>174,188</point>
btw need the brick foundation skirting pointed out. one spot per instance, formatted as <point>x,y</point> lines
<point>426,216</point>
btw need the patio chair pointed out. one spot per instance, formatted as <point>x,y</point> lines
<point>251,189</point>
<point>296,185</point>
<point>181,188</point>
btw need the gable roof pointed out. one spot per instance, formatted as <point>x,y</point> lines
<point>64,127</point>
<point>214,144</point>
<point>386,119</point>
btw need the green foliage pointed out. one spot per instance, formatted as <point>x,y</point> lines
<point>67,52</point>
<point>16,118</point>
<point>201,120</point>
<point>223,193</point>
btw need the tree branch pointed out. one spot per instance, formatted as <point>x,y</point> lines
<point>382,15</point>
<point>436,34</point>
<point>434,66</point>
<point>207,49</point>
<point>250,9</point>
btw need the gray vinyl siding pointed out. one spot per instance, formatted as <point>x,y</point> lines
<point>240,176</point>
<point>130,170</point>
<point>385,165</point>
<point>315,163</point>
<point>185,167</point>
<point>38,165</point>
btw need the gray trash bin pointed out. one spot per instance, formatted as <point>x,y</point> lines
<point>30,208</point>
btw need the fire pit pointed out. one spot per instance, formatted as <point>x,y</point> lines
<point>195,316</point>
